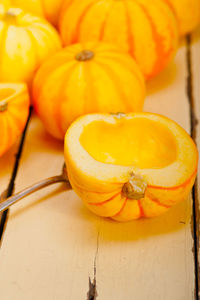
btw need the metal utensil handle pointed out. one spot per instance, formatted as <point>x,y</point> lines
<point>37,186</point>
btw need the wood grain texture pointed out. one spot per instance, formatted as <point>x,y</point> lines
<point>152,259</point>
<point>69,243</point>
<point>52,244</point>
<point>6,166</point>
<point>7,162</point>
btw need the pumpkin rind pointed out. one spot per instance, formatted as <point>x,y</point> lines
<point>48,9</point>
<point>14,108</point>
<point>100,185</point>
<point>146,29</point>
<point>188,14</point>
<point>35,40</point>
<point>68,85</point>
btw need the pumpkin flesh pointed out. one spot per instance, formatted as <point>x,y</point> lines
<point>147,150</point>
<point>5,93</point>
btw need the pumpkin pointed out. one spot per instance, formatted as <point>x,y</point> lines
<point>188,13</point>
<point>86,78</point>
<point>146,29</point>
<point>48,9</point>
<point>26,41</point>
<point>14,108</point>
<point>4,3</point>
<point>129,166</point>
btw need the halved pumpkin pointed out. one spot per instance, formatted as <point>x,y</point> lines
<point>128,166</point>
<point>14,108</point>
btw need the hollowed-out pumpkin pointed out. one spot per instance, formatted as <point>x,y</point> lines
<point>86,78</point>
<point>148,30</point>
<point>128,166</point>
<point>14,107</point>
<point>26,41</point>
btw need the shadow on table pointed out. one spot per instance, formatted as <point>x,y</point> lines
<point>174,220</point>
<point>78,216</point>
<point>165,79</point>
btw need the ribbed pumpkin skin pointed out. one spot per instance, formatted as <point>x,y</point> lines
<point>188,13</point>
<point>48,9</point>
<point>148,30</point>
<point>65,88</point>
<point>13,118</point>
<point>25,42</point>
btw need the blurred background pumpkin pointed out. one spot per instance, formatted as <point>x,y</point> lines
<point>148,30</point>
<point>188,14</point>
<point>26,41</point>
<point>48,9</point>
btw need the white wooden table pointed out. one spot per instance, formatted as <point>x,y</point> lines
<point>53,248</point>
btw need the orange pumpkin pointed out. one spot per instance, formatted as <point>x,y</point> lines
<point>48,9</point>
<point>4,3</point>
<point>83,79</point>
<point>188,13</point>
<point>26,41</point>
<point>14,107</point>
<point>146,29</point>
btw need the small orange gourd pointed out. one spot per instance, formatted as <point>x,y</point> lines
<point>26,41</point>
<point>148,30</point>
<point>48,9</point>
<point>188,13</point>
<point>14,108</point>
<point>86,78</point>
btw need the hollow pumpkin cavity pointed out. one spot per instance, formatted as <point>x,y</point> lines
<point>5,93</point>
<point>139,142</point>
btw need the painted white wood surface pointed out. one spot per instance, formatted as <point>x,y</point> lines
<point>52,242</point>
<point>6,166</point>
<point>152,259</point>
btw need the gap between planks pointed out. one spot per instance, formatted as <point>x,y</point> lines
<point>193,133</point>
<point>11,185</point>
<point>92,293</point>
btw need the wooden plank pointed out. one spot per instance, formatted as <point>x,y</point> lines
<point>53,244</point>
<point>9,164</point>
<point>153,259</point>
<point>49,247</point>
<point>195,55</point>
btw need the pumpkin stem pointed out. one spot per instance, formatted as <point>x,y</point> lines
<point>10,16</point>
<point>84,55</point>
<point>3,106</point>
<point>118,115</point>
<point>135,188</point>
